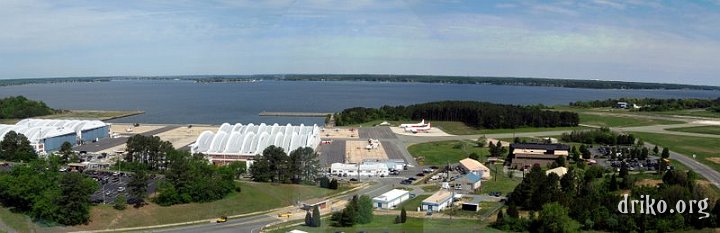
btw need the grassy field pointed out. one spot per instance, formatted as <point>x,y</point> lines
<point>503,184</point>
<point>689,112</point>
<point>699,129</point>
<point>621,120</point>
<point>459,128</point>
<point>254,197</point>
<point>17,221</point>
<point>704,148</point>
<point>385,223</point>
<point>413,204</point>
<point>439,153</point>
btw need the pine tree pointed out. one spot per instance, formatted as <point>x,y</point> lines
<point>656,150</point>
<point>403,215</point>
<point>500,218</point>
<point>512,211</point>
<point>613,183</point>
<point>308,219</point>
<point>316,221</point>
<point>665,153</point>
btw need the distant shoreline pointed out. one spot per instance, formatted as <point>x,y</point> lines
<point>475,80</point>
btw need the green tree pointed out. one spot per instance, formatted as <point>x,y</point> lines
<point>16,147</point>
<point>74,201</point>
<point>500,218</point>
<point>316,218</point>
<point>613,183</point>
<point>304,165</point>
<point>67,154</point>
<point>149,151</point>
<point>120,202</point>
<point>665,153</point>
<point>474,156</point>
<point>137,187</point>
<point>364,209</point>
<point>554,218</point>
<point>481,142</point>
<point>238,168</point>
<point>656,150</point>
<point>586,154</point>
<point>308,219</point>
<point>403,215</point>
<point>575,154</point>
<point>512,211</point>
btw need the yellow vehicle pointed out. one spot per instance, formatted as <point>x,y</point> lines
<point>221,219</point>
<point>285,215</point>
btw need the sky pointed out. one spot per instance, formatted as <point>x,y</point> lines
<point>628,40</point>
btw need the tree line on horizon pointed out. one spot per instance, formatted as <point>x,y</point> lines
<point>472,113</point>
<point>654,104</point>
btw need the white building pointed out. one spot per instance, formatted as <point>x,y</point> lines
<point>390,199</point>
<point>49,135</point>
<point>368,169</point>
<point>243,142</point>
<point>438,201</point>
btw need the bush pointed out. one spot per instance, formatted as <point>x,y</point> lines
<point>120,202</point>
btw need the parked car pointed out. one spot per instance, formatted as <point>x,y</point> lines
<point>405,182</point>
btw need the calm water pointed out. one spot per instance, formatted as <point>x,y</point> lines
<point>214,103</point>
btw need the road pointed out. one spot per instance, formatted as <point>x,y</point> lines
<point>251,224</point>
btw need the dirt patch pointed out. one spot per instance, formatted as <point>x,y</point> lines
<point>648,182</point>
<point>714,159</point>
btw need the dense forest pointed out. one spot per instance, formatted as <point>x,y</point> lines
<point>19,107</point>
<point>512,81</point>
<point>654,105</point>
<point>588,199</point>
<point>474,114</point>
<point>598,136</point>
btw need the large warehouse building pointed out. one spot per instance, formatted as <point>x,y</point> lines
<point>48,135</point>
<point>243,142</point>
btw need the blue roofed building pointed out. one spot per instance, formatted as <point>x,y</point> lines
<point>470,182</point>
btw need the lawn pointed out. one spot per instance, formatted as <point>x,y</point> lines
<point>621,120</point>
<point>17,221</point>
<point>503,184</point>
<point>442,152</point>
<point>254,197</point>
<point>699,129</point>
<point>385,223</point>
<point>459,128</point>
<point>413,204</point>
<point>705,148</point>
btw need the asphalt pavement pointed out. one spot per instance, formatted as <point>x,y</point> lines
<point>107,143</point>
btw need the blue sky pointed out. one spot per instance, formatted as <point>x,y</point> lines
<point>653,41</point>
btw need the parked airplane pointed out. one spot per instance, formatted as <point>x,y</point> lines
<point>422,123</point>
<point>416,129</point>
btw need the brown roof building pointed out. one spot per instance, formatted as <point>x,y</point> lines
<point>525,155</point>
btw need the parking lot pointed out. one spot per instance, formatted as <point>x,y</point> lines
<point>334,152</point>
<point>616,158</point>
<point>113,184</point>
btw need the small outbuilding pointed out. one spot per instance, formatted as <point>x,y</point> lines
<point>438,201</point>
<point>391,199</point>
<point>470,181</point>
